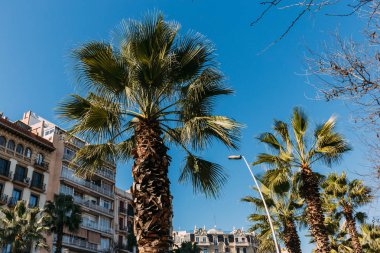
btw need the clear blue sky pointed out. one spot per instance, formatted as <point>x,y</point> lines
<point>36,38</point>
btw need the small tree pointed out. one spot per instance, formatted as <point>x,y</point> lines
<point>344,197</point>
<point>63,213</point>
<point>22,227</point>
<point>188,247</point>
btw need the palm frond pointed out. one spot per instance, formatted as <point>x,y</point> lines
<point>206,177</point>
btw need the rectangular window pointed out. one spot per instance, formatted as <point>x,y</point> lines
<point>197,239</point>
<point>104,244</point>
<point>1,188</point>
<point>33,200</point>
<point>4,167</point>
<point>238,250</point>
<point>68,153</point>
<point>37,180</point>
<point>105,222</point>
<point>244,250</point>
<point>16,196</point>
<point>203,239</point>
<point>236,239</point>
<point>216,251</point>
<point>205,250</point>
<point>20,173</point>
<point>67,190</point>
<point>105,204</point>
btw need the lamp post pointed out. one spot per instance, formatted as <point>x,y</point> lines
<point>239,157</point>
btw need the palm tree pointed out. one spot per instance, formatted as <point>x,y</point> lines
<point>285,209</point>
<point>152,89</point>
<point>21,227</point>
<point>63,213</point>
<point>292,152</point>
<point>370,238</point>
<point>345,197</point>
<point>188,247</point>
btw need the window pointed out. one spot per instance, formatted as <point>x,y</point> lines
<point>244,250</point>
<point>238,250</point>
<point>67,190</point>
<point>39,159</point>
<point>49,131</point>
<point>11,145</point>
<point>28,153</point>
<point>37,179</point>
<point>203,239</point>
<point>20,173</point>
<point>19,149</point>
<point>197,239</point>
<point>215,240</point>
<point>1,188</point>
<point>105,222</point>
<point>205,251</point>
<point>4,167</point>
<point>216,251</point>
<point>33,200</point>
<point>104,244</point>
<point>16,196</point>
<point>106,204</point>
<point>68,153</point>
<point>121,223</point>
<point>236,239</point>
<point>2,141</point>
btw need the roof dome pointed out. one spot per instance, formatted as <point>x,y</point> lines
<point>214,231</point>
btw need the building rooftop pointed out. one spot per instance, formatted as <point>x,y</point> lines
<point>19,129</point>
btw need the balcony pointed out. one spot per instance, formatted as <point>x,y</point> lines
<point>12,201</point>
<point>95,226</point>
<point>105,173</point>
<point>122,209</point>
<point>21,179</point>
<point>38,185</point>
<point>93,206</point>
<point>78,243</point>
<point>3,199</point>
<point>5,173</point>
<point>66,174</point>
<point>42,165</point>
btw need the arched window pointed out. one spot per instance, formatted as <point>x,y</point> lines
<point>39,159</point>
<point>19,149</point>
<point>28,153</point>
<point>11,145</point>
<point>3,141</point>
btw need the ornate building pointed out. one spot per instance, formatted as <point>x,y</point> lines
<point>24,164</point>
<point>101,210</point>
<point>217,241</point>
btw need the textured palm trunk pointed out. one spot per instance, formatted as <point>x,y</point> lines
<point>314,212</point>
<point>151,194</point>
<point>352,229</point>
<point>291,238</point>
<point>58,242</point>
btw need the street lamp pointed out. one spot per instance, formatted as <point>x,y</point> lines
<point>239,157</point>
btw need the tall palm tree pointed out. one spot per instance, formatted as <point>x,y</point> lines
<point>22,227</point>
<point>150,89</point>
<point>345,197</point>
<point>285,210</point>
<point>63,212</point>
<point>298,152</point>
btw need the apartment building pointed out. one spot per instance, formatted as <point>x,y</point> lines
<point>24,164</point>
<point>217,241</point>
<point>123,221</point>
<point>95,195</point>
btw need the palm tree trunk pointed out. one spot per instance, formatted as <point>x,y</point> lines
<point>151,194</point>
<point>291,238</point>
<point>352,229</point>
<point>314,213</point>
<point>58,243</point>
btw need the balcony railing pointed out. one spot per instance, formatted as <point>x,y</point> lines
<point>122,209</point>
<point>21,179</point>
<point>3,199</point>
<point>91,205</point>
<point>12,201</point>
<point>42,165</point>
<point>38,185</point>
<point>106,174</point>
<point>80,243</point>
<point>69,176</point>
<point>96,226</point>
<point>5,172</point>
